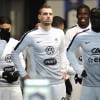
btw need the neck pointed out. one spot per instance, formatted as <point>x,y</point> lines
<point>45,27</point>
<point>83,26</point>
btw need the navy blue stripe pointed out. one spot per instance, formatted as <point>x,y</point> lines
<point>71,42</point>
<point>74,38</point>
<point>22,39</point>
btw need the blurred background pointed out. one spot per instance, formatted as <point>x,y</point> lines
<point>23,13</point>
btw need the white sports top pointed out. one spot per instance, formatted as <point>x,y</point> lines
<point>89,42</point>
<point>48,53</point>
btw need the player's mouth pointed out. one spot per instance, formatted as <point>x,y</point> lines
<point>83,20</point>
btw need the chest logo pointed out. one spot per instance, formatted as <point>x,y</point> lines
<point>50,50</point>
<point>87,42</point>
<point>8,58</point>
<point>95,51</point>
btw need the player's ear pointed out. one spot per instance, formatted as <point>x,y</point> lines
<point>10,28</point>
<point>39,16</point>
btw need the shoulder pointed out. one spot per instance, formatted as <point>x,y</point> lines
<point>13,40</point>
<point>57,30</point>
<point>72,27</point>
<point>29,33</point>
<point>82,33</point>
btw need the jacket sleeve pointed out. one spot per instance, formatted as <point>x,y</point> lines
<point>15,56</point>
<point>71,50</point>
<point>67,38</point>
<point>64,61</point>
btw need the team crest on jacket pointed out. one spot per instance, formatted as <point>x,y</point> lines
<point>8,58</point>
<point>50,50</point>
<point>56,39</point>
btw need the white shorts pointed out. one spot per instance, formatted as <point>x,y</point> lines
<point>90,93</point>
<point>59,91</point>
<point>10,92</point>
<point>76,89</point>
<point>41,88</point>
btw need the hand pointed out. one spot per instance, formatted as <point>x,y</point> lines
<point>10,77</point>
<point>7,76</point>
<point>68,86</point>
<point>15,76</point>
<point>26,77</point>
<point>84,74</point>
<point>65,75</point>
<point>77,79</point>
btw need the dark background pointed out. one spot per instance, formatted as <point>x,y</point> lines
<point>23,14</point>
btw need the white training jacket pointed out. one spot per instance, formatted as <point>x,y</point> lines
<point>89,41</point>
<point>48,54</point>
<point>70,33</point>
<point>5,54</point>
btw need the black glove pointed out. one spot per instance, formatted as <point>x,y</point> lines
<point>15,76</point>
<point>10,74</point>
<point>10,77</point>
<point>77,79</point>
<point>84,74</point>
<point>68,87</point>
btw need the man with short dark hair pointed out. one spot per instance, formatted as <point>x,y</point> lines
<point>58,22</point>
<point>89,72</point>
<point>83,23</point>
<point>48,53</point>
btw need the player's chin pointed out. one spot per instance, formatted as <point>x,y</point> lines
<point>48,23</point>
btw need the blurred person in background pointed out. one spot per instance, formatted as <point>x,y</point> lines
<point>89,72</point>
<point>83,23</point>
<point>59,22</point>
<point>9,76</point>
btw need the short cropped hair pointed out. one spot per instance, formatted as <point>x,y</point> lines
<point>44,6</point>
<point>5,20</point>
<point>81,7</point>
<point>57,20</point>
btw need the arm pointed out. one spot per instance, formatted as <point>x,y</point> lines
<point>21,55</point>
<point>75,43</point>
<point>64,61</point>
<point>25,41</point>
<point>2,47</point>
<point>67,38</point>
